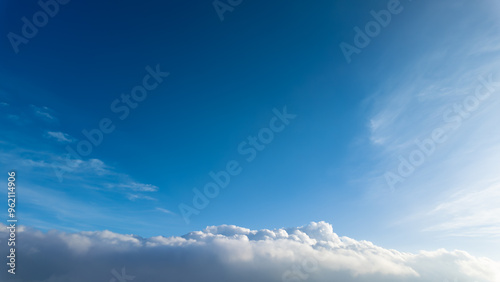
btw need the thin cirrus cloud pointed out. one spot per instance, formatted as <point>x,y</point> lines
<point>92,172</point>
<point>312,252</point>
<point>459,178</point>
<point>134,197</point>
<point>60,137</point>
<point>44,113</point>
<point>134,186</point>
<point>413,99</point>
<point>165,211</point>
<point>469,212</point>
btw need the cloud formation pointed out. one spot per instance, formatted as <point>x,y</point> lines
<point>60,137</point>
<point>44,113</point>
<point>230,253</point>
<point>470,212</point>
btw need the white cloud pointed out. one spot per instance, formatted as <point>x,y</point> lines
<point>134,186</point>
<point>449,193</point>
<point>76,166</point>
<point>470,212</point>
<point>60,137</point>
<point>230,253</point>
<point>43,112</point>
<point>165,211</point>
<point>134,197</point>
<point>92,174</point>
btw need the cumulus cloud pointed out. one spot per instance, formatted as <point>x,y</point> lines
<point>230,253</point>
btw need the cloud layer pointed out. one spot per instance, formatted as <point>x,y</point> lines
<point>230,253</point>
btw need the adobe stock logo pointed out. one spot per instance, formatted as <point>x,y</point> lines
<point>39,19</point>
<point>362,38</point>
<point>308,265</point>
<point>121,277</point>
<point>221,7</point>
<point>249,148</point>
<point>453,118</point>
<point>122,108</point>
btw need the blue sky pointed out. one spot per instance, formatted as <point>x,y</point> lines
<point>353,120</point>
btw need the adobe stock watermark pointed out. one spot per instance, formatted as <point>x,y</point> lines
<point>121,277</point>
<point>40,19</point>
<point>248,148</point>
<point>121,107</point>
<point>372,29</point>
<point>303,270</point>
<point>453,117</point>
<point>221,7</point>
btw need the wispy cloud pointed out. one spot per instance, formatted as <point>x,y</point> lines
<point>77,166</point>
<point>90,173</point>
<point>134,186</point>
<point>44,113</point>
<point>471,212</point>
<point>60,137</point>
<point>165,211</point>
<point>134,197</point>
<point>456,185</point>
